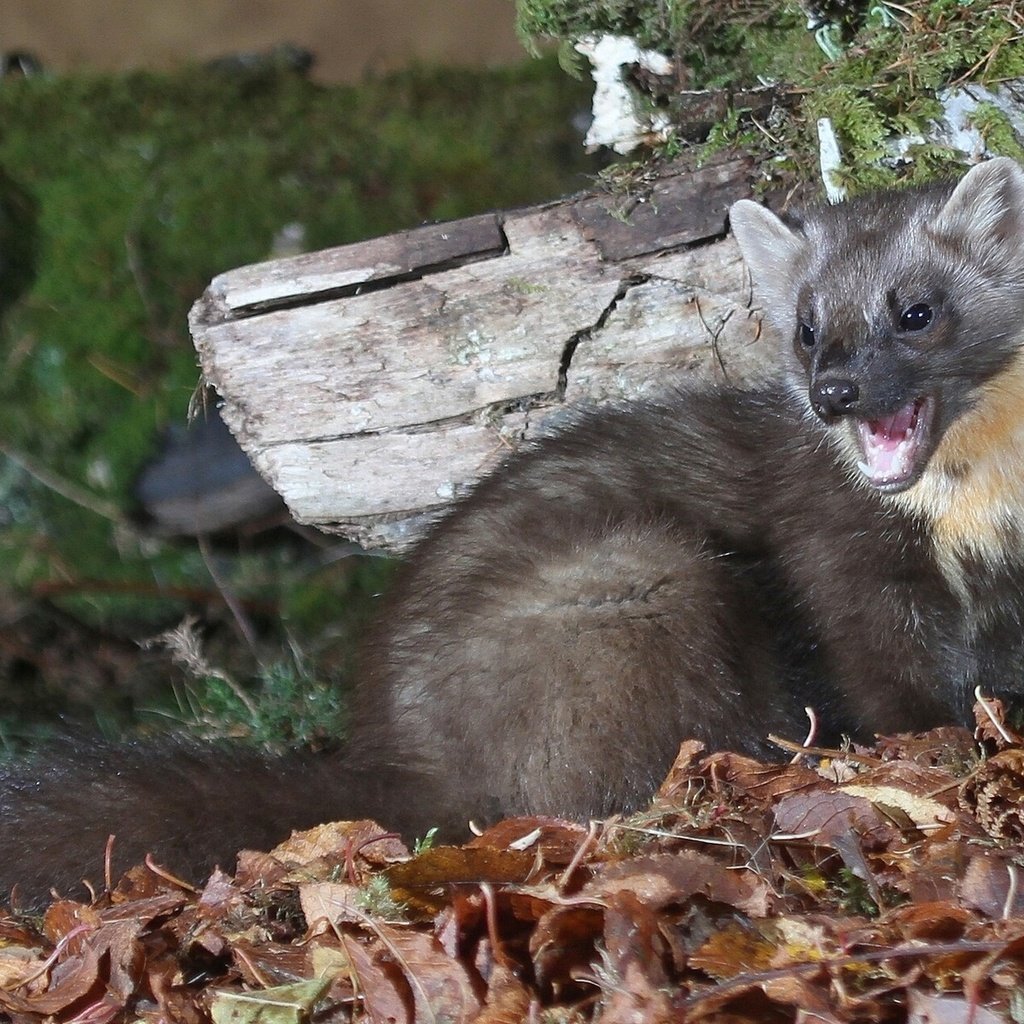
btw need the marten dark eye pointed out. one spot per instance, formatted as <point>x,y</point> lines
<point>806,335</point>
<point>916,317</point>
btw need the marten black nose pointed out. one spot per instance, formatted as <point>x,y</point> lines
<point>831,398</point>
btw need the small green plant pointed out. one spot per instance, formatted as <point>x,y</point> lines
<point>852,894</point>
<point>424,843</point>
<point>285,705</point>
<point>377,900</point>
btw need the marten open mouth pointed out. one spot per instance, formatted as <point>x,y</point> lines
<point>895,447</point>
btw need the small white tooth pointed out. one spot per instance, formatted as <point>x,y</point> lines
<point>864,468</point>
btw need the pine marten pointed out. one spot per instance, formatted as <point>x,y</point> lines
<point>704,565</point>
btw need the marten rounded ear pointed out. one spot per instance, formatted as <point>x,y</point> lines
<point>985,213</point>
<point>770,249</point>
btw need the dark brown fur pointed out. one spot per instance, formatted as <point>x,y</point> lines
<point>705,565</point>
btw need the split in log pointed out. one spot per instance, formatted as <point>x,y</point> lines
<point>372,383</point>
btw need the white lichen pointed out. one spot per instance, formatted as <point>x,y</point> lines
<point>959,106</point>
<point>619,118</point>
<point>830,160</point>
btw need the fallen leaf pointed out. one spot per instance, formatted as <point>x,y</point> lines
<point>441,988</point>
<point>923,1008</point>
<point>423,883</point>
<point>824,814</point>
<point>666,878</point>
<point>283,1004</point>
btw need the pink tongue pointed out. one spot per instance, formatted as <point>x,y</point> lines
<point>886,433</point>
<point>889,444</point>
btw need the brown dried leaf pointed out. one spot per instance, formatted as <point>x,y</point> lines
<point>763,783</point>
<point>987,883</point>
<point>554,839</point>
<point>986,729</point>
<point>381,987</point>
<point>925,796</point>
<point>826,814</point>
<point>257,869</point>
<point>362,844</point>
<point>563,943</point>
<point>423,882</point>
<point>119,940</point>
<point>634,983</point>
<point>141,883</point>
<point>220,897</point>
<point>931,922</point>
<point>146,909</point>
<point>664,878</point>
<point>70,982</point>
<point>266,964</point>
<point>330,903</point>
<point>441,988</point>
<point>683,770</point>
<point>64,917</point>
<point>18,964</point>
<point>508,999</point>
<point>950,746</point>
<point>736,949</point>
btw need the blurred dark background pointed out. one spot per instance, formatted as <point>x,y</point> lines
<point>350,37</point>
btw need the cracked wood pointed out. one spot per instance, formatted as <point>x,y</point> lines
<point>372,383</point>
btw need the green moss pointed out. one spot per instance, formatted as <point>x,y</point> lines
<point>896,59</point>
<point>376,898</point>
<point>122,196</point>
<point>996,130</point>
<point>715,45</point>
<point>286,705</point>
<point>653,23</point>
<point>886,84</point>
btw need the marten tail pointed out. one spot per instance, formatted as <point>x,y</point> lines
<point>191,806</point>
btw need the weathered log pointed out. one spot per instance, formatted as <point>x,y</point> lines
<point>372,383</point>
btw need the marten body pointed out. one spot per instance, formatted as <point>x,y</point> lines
<point>706,565</point>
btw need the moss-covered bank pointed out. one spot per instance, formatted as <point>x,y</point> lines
<point>125,196</point>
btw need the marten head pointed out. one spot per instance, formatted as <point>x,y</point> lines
<point>899,307</point>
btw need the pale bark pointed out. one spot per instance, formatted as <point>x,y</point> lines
<point>372,383</point>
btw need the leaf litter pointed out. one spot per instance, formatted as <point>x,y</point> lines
<point>873,884</point>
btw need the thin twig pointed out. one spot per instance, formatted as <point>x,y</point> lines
<point>838,755</point>
<point>577,858</point>
<point>108,858</point>
<point>491,915</point>
<point>65,941</point>
<point>65,488</point>
<point>732,844</point>
<point>992,717</point>
<point>166,875</point>
<point>234,605</point>
<point>812,732</point>
<point>1011,892</point>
